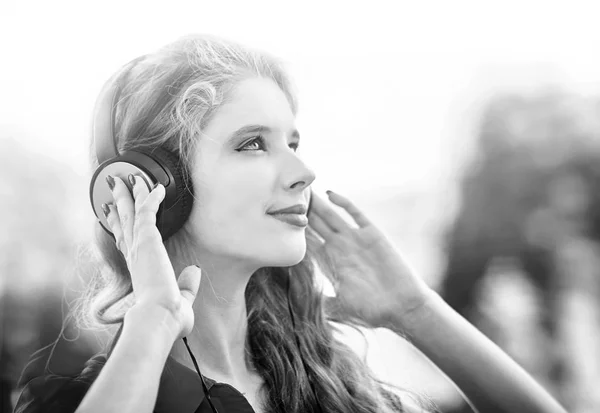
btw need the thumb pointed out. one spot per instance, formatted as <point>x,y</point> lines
<point>189,282</point>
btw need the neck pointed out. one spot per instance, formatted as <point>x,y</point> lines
<point>218,339</point>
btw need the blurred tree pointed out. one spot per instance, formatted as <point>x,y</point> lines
<point>526,144</point>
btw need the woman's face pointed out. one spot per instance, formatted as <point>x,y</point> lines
<point>246,165</point>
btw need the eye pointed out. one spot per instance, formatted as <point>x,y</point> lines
<point>256,144</point>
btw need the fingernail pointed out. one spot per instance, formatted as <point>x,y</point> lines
<point>131,179</point>
<point>106,210</point>
<point>111,182</point>
<point>328,192</point>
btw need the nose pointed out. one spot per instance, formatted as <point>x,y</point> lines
<point>300,176</point>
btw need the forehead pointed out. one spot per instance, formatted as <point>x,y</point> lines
<point>253,101</point>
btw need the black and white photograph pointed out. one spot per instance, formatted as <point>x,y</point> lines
<point>299,207</point>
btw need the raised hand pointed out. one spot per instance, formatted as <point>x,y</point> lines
<point>372,281</point>
<point>133,223</point>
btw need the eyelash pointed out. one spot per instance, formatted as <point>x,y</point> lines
<point>261,140</point>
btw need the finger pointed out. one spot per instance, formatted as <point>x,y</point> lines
<point>155,197</point>
<point>124,204</point>
<point>189,282</point>
<point>321,227</point>
<point>146,212</point>
<point>140,190</point>
<point>314,241</point>
<point>324,210</point>
<point>356,214</point>
<point>114,223</point>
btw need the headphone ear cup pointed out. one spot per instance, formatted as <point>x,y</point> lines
<point>156,166</point>
<point>177,205</point>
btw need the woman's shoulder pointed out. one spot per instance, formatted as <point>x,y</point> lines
<point>51,392</point>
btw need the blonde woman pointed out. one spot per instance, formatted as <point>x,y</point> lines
<point>235,277</point>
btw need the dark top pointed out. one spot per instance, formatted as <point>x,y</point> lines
<point>180,388</point>
<point>180,391</point>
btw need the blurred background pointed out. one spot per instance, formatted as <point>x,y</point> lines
<point>468,131</point>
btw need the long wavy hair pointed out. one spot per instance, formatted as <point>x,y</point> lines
<point>167,99</point>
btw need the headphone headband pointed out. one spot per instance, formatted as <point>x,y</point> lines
<point>103,123</point>
<point>158,165</point>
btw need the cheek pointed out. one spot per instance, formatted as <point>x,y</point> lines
<point>247,233</point>
<point>230,205</point>
<point>237,193</point>
<point>229,216</point>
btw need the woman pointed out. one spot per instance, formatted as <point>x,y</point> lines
<point>252,316</point>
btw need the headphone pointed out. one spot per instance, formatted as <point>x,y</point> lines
<point>153,166</point>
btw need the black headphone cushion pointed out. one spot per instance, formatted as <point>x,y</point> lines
<point>177,205</point>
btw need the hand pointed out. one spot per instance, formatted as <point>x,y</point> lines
<point>371,280</point>
<point>133,223</point>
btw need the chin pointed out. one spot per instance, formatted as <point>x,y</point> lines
<point>286,255</point>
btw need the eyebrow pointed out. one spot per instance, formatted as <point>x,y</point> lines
<point>260,129</point>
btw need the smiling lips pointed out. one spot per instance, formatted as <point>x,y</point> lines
<point>294,215</point>
<point>299,220</point>
<point>294,209</point>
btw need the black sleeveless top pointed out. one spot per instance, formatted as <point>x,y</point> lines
<point>180,389</point>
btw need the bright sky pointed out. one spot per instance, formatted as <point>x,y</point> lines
<point>388,91</point>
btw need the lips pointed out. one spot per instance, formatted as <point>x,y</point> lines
<point>294,215</point>
<point>294,209</point>
<point>298,220</point>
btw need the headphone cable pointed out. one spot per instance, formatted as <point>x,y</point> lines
<point>204,387</point>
